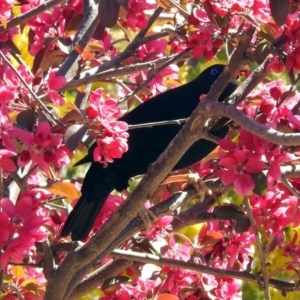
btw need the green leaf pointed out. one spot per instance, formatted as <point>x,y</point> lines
<point>260,180</point>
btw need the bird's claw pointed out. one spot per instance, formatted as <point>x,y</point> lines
<point>199,185</point>
<point>147,216</point>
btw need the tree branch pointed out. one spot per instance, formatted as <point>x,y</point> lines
<point>98,277</point>
<point>87,27</point>
<point>281,285</point>
<point>87,77</point>
<point>285,139</point>
<point>23,18</point>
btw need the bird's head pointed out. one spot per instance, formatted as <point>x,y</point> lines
<point>209,76</point>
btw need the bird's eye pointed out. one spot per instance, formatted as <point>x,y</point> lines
<point>214,72</point>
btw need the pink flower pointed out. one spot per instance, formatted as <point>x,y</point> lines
<point>202,44</point>
<point>55,83</point>
<point>5,8</point>
<point>136,17</point>
<point>109,149</point>
<point>275,157</point>
<point>42,147</point>
<point>176,279</point>
<point>274,211</point>
<point>45,26</point>
<point>178,251</point>
<point>238,168</point>
<point>228,288</point>
<point>25,217</point>
<point>6,229</point>
<point>6,162</point>
<point>140,288</point>
<point>160,228</point>
<point>16,249</point>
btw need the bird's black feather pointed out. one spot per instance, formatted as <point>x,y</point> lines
<point>145,145</point>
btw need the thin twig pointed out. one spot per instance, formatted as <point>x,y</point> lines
<point>289,187</point>
<point>294,192</point>
<point>82,97</point>
<point>153,124</point>
<point>23,18</point>
<point>33,94</point>
<point>125,87</point>
<point>90,77</point>
<point>259,248</point>
<point>153,74</point>
<point>156,260</point>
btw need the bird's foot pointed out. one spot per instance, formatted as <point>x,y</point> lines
<point>190,179</point>
<point>148,217</point>
<point>199,185</point>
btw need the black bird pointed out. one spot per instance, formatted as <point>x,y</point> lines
<point>145,145</point>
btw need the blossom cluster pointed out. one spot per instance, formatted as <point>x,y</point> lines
<point>111,135</point>
<point>22,225</point>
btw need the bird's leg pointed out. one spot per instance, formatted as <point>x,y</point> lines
<point>146,215</point>
<point>191,179</point>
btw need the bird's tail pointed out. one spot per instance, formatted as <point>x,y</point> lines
<point>97,185</point>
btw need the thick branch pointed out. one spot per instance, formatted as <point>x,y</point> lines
<point>97,278</point>
<point>287,139</point>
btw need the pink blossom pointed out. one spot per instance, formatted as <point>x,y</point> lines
<point>178,251</point>
<point>273,211</point>
<point>30,5</point>
<point>25,217</point>
<point>275,157</point>
<point>42,147</point>
<point>201,44</point>
<point>109,149</point>
<point>228,288</point>
<point>141,289</point>
<point>136,17</point>
<point>238,168</point>
<point>160,228</point>
<point>6,162</point>
<point>5,8</point>
<point>54,84</point>
<point>177,279</point>
<point>6,229</point>
<point>14,87</point>
<point>16,249</point>
<point>46,26</point>
<point>110,133</point>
